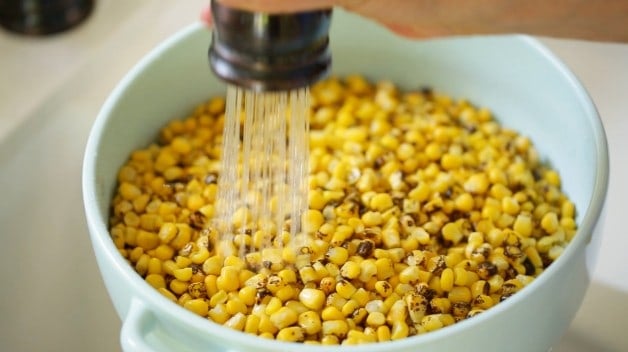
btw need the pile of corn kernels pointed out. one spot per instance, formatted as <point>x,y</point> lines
<point>423,211</point>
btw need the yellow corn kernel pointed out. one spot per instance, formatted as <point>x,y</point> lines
<point>308,274</point>
<point>331,313</point>
<point>147,240</point>
<point>460,294</point>
<point>312,220</point>
<point>156,280</point>
<point>447,280</point>
<point>350,270</point>
<point>477,184</point>
<point>166,293</point>
<point>337,328</point>
<point>310,321</point>
<point>431,322</point>
<point>283,317</point>
<point>376,319</point>
<point>399,330</point>
<point>409,275</point>
<point>312,298</point>
<point>235,305</point>
<point>198,306</point>
<point>385,268</point>
<point>273,306</point>
<point>337,255</point>
<point>549,223</point>
<point>381,202</point>
<point>218,314</point>
<point>228,279</point>
<point>252,324</point>
<point>266,326</point>
<point>184,274</point>
<point>523,225</point>
<point>464,202</point>
<point>291,334</point>
<point>330,340</point>
<point>236,322</point>
<point>345,289</point>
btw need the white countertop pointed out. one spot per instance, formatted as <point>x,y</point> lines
<point>51,294</point>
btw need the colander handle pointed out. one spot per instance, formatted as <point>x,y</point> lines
<point>133,333</point>
<point>141,332</point>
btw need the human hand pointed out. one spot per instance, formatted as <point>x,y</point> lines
<point>578,19</point>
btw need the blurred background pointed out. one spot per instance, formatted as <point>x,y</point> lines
<point>51,88</point>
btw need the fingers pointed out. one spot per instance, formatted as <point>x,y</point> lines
<point>279,6</point>
<point>206,16</point>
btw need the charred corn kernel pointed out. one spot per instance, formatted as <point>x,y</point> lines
<point>198,306</point>
<point>446,206</point>
<point>483,302</point>
<point>283,317</point>
<point>533,255</point>
<point>383,288</point>
<point>328,285</point>
<point>431,322</point>
<point>345,289</point>
<point>312,298</point>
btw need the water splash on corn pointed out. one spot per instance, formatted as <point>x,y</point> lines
<point>262,186</point>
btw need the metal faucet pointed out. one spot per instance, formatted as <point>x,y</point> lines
<point>269,52</point>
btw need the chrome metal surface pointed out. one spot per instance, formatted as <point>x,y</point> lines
<point>262,52</point>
